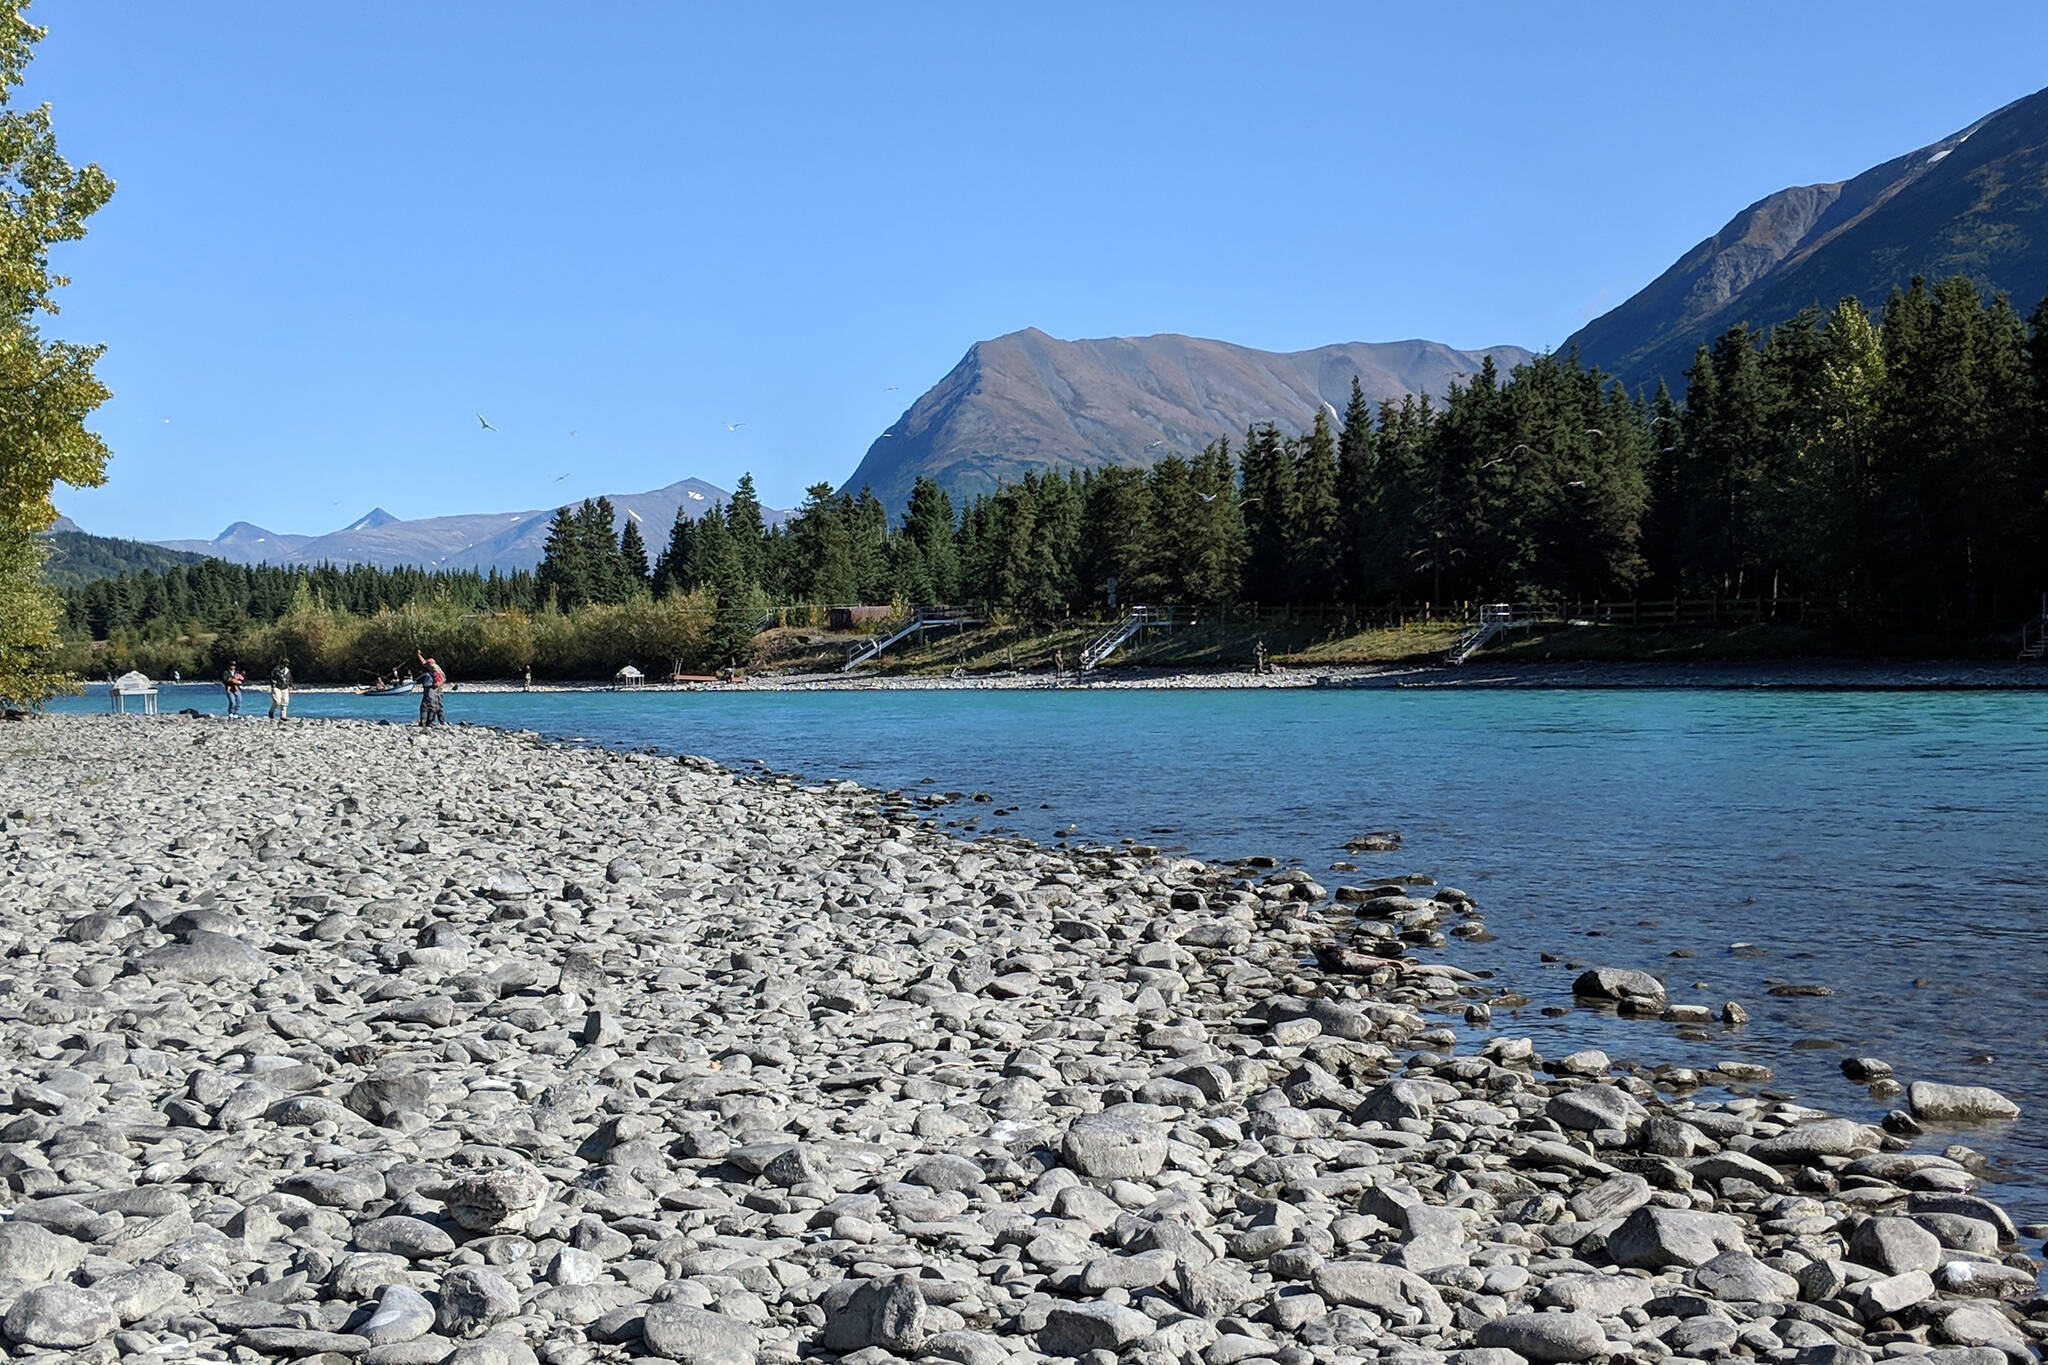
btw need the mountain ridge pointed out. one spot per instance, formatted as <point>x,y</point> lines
<point>1974,203</point>
<point>1028,401</point>
<point>505,541</point>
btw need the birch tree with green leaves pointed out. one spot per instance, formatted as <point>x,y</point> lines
<point>47,386</point>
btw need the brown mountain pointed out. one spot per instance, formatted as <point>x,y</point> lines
<point>1028,401</point>
<point>1975,203</point>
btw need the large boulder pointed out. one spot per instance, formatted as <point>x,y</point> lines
<point>1074,1329</point>
<point>1618,983</point>
<point>1546,1337</point>
<point>1399,1295</point>
<point>1124,1141</point>
<point>1656,1238</point>
<point>203,958</point>
<point>1937,1103</point>
<point>1591,1107</point>
<point>676,1331</point>
<point>1894,1245</point>
<point>886,1313</point>
<point>60,1315</point>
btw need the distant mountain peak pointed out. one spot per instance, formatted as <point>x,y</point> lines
<point>505,541</point>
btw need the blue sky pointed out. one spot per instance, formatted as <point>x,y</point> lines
<point>343,230</point>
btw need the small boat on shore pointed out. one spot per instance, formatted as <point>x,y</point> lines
<point>399,689</point>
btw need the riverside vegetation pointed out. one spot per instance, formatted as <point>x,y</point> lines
<point>460,1048</point>
<point>1893,473</point>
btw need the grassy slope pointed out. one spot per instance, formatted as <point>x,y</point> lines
<point>995,649</point>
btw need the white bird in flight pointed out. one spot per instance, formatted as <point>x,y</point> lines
<point>486,426</point>
<point>1576,483</point>
<point>1151,445</point>
<point>734,426</point>
<point>1206,497</point>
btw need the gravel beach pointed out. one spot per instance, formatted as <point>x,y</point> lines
<point>338,1041</point>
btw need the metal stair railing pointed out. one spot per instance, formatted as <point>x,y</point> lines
<point>1116,637</point>
<point>1494,617</point>
<point>2034,635</point>
<point>921,619</point>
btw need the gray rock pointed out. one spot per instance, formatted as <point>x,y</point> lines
<point>497,1201</point>
<point>887,1313</point>
<point>1809,1142</point>
<point>1602,1296</point>
<point>204,958</point>
<point>60,1315</point>
<point>1655,1238</point>
<point>413,1238</point>
<point>473,1300</point>
<point>678,1332</point>
<point>1975,1324</point>
<point>1893,1294</point>
<point>32,1254</point>
<point>1618,983</point>
<point>378,1098</point>
<point>1394,1293</point>
<point>1124,1141</point>
<point>1894,1246</point>
<point>1737,1276</point>
<point>1074,1329</point>
<point>1933,1102</point>
<point>403,1314</point>
<point>1563,1336</point>
<point>1591,1107</point>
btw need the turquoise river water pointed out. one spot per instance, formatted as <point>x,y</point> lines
<point>1890,845</point>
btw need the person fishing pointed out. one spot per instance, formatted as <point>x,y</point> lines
<point>432,680</point>
<point>281,690</point>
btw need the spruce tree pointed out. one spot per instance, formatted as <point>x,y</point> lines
<point>743,520</point>
<point>1269,505</point>
<point>564,571</point>
<point>1316,528</point>
<point>928,524</point>
<point>633,558</point>
<point>1355,492</point>
<point>671,571</point>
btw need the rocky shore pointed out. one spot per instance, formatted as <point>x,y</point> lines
<point>348,1042</point>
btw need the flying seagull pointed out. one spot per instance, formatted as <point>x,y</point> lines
<point>734,426</point>
<point>487,427</point>
<point>892,388</point>
<point>1595,431</point>
<point>560,477</point>
<point>1576,483</point>
<point>1152,445</point>
<point>1211,497</point>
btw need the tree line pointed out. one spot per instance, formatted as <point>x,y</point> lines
<point>1889,469</point>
